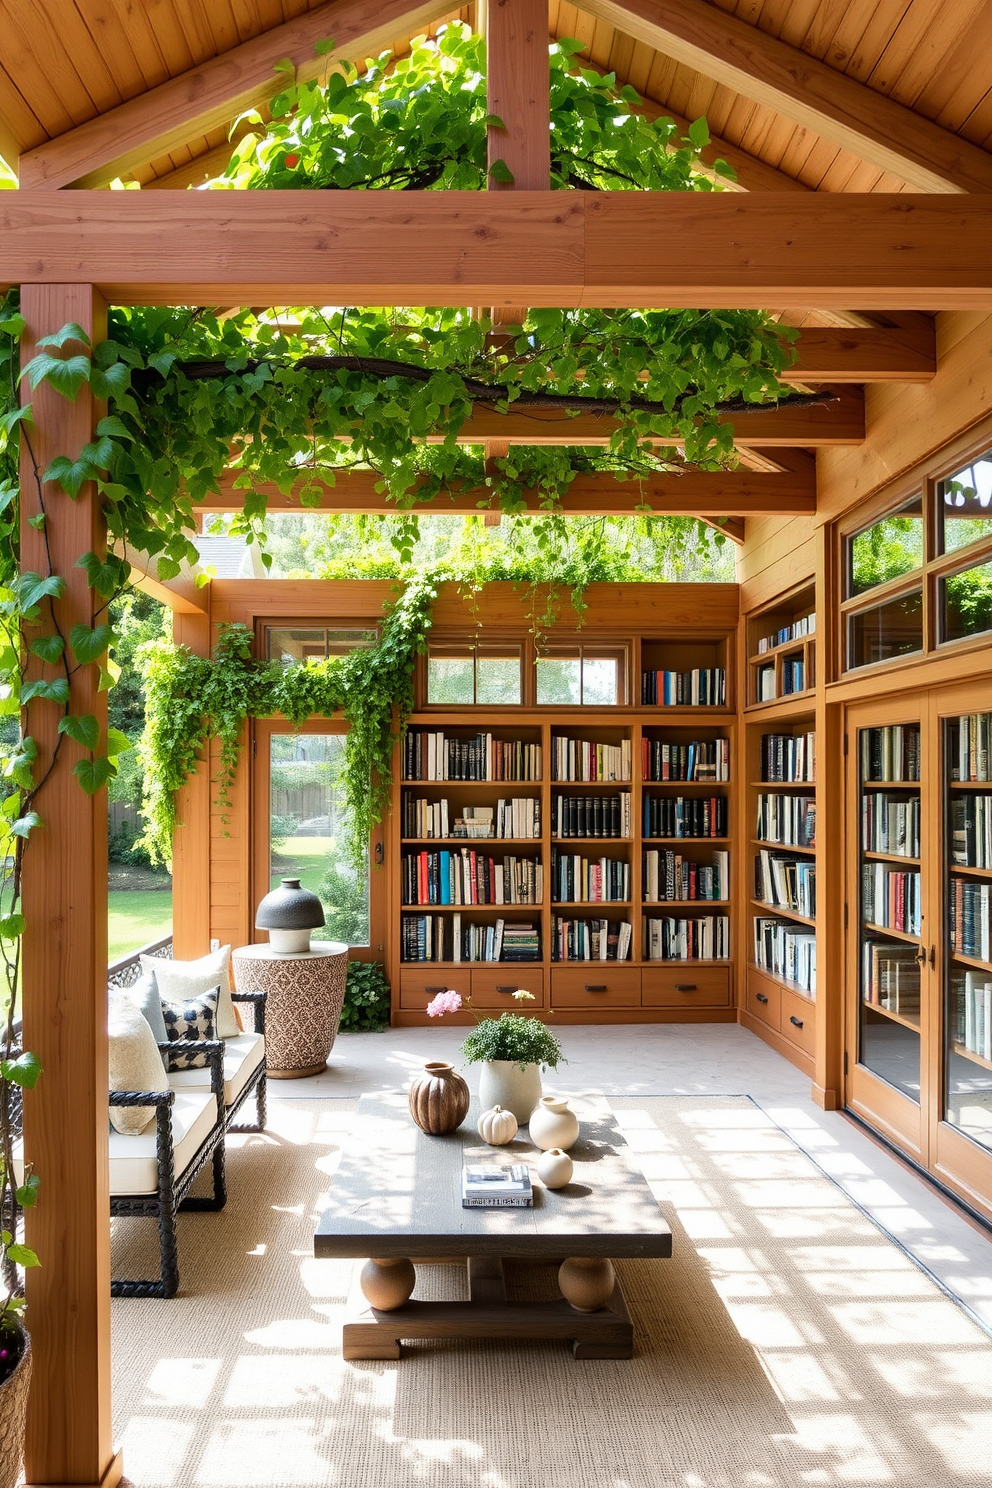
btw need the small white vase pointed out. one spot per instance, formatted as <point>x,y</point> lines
<point>503,1083</point>
<point>553,1124</point>
<point>554,1168</point>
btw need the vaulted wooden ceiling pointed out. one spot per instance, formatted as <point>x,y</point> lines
<point>64,63</point>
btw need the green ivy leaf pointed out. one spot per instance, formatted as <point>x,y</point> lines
<point>91,774</point>
<point>82,729</point>
<point>25,825</point>
<point>56,691</point>
<point>88,645</point>
<point>105,575</point>
<point>23,1071</point>
<point>27,1194</point>
<point>31,589</point>
<point>48,648</point>
<point>117,744</point>
<point>11,928</point>
<point>71,331</point>
<point>22,1255</point>
<point>71,475</point>
<point>499,171</point>
<point>112,427</point>
<point>13,325</point>
<point>110,382</point>
<point>66,375</point>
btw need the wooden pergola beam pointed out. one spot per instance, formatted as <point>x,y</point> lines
<point>680,249</point>
<point>801,88</point>
<point>209,96</point>
<point>906,351</point>
<point>736,493</point>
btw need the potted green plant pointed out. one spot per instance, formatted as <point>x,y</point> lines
<point>512,1049</point>
<point>18,1071</point>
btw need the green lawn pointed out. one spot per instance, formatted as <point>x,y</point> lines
<point>135,918</point>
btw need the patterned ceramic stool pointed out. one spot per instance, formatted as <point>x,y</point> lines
<point>304,992</point>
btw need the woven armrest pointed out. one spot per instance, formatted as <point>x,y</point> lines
<point>255,1000</point>
<point>142,1097</point>
<point>212,1048</point>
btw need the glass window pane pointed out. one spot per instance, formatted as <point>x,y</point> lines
<point>559,681</point>
<point>308,818</point>
<point>887,549</point>
<point>451,679</point>
<point>290,646</point>
<point>599,681</point>
<point>966,603</point>
<point>497,679</point>
<point>965,505</point>
<point>887,630</point>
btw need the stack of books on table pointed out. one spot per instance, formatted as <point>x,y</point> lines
<point>489,1186</point>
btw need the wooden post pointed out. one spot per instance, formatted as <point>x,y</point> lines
<point>191,840</point>
<point>828,1079</point>
<point>65,970</point>
<point>517,91</point>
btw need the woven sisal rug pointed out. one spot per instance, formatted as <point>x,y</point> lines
<point>788,1343</point>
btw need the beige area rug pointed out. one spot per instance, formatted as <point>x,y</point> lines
<point>787,1342</point>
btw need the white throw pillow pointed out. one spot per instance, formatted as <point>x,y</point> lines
<point>135,1064</point>
<point>181,981</point>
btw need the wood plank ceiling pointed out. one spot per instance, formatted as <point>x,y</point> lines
<point>66,61</point>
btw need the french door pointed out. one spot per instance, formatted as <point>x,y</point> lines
<point>300,827</point>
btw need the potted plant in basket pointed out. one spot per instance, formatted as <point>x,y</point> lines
<point>512,1049</point>
<point>18,1071</point>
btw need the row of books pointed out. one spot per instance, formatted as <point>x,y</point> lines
<point>703,687</point>
<point>793,675</point>
<point>598,880</point>
<point>591,816</point>
<point>516,816</point>
<point>430,937</point>
<point>667,875</point>
<point>794,632</point>
<point>891,753</point>
<point>974,1030</point>
<point>971,918</point>
<point>971,830</point>
<point>585,759</point>
<point>766,684</point>
<point>788,757</point>
<point>890,897</point>
<point>590,940</point>
<point>890,824</point>
<point>470,877</point>
<point>788,820</point>
<point>890,978</point>
<point>703,759</point>
<point>974,748</point>
<point>786,951</point>
<point>788,883</point>
<point>702,938</point>
<point>431,754</point>
<point>685,816</point>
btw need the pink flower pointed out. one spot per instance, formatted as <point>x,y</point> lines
<point>444,1002</point>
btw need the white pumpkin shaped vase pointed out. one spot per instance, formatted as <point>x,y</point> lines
<point>553,1124</point>
<point>497,1127</point>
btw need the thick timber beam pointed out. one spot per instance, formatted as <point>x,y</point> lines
<point>693,493</point>
<point>801,88</point>
<point>211,95</point>
<point>680,249</point>
<point>65,966</point>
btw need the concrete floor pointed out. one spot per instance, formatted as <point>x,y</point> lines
<point>703,1059</point>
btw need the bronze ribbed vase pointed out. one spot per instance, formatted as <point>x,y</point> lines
<point>439,1099</point>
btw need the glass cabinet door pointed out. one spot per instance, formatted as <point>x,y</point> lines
<point>889,905</point>
<point>967,825</point>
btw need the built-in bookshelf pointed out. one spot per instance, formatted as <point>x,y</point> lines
<point>685,674</point>
<point>781,649</point>
<point>968,994</point>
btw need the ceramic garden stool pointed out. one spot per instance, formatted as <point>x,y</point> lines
<point>304,992</point>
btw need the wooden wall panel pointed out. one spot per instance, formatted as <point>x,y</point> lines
<point>777,554</point>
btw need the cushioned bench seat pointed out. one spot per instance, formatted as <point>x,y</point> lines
<point>134,1167</point>
<point>242,1056</point>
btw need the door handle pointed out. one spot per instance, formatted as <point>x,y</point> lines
<point>594,989</point>
<point>379,854</point>
<point>685,986</point>
<point>798,1022</point>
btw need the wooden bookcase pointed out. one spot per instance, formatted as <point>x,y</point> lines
<point>637,988</point>
<point>781,649</point>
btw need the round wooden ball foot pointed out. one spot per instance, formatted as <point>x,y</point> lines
<point>587,1282</point>
<point>387,1284</point>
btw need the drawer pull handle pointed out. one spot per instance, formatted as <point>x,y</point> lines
<point>594,989</point>
<point>435,989</point>
<point>797,1021</point>
<point>761,996</point>
<point>685,986</point>
<point>506,989</point>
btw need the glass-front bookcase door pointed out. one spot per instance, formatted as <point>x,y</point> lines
<point>891,951</point>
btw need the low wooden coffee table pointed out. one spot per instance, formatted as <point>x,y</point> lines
<point>397,1198</point>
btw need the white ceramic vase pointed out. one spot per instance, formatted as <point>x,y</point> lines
<point>554,1168</point>
<point>553,1124</point>
<point>504,1083</point>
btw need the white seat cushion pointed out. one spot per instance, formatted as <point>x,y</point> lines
<point>133,1164</point>
<point>242,1055</point>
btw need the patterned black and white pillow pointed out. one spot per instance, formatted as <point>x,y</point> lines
<point>189,1023</point>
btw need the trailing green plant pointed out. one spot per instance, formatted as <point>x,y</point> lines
<point>513,1037</point>
<point>366,998</point>
<point>420,123</point>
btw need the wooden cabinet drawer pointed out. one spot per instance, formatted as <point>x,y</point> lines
<point>419,985</point>
<point>493,986</point>
<point>798,1019</point>
<point>594,985</point>
<point>763,998</point>
<point>685,985</point>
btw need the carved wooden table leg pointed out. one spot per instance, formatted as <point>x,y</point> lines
<point>587,1282</point>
